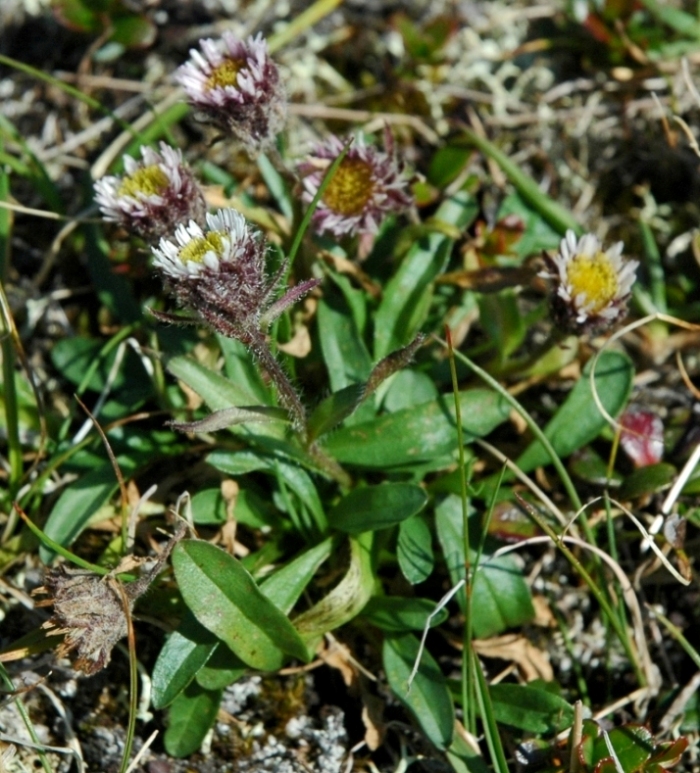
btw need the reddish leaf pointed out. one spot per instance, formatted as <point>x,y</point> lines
<point>642,436</point>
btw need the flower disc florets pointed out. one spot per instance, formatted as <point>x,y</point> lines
<point>153,196</point>
<point>236,86</point>
<point>592,285</point>
<point>367,186</point>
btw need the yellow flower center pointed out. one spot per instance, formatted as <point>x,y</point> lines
<point>147,181</point>
<point>595,278</point>
<point>226,74</point>
<point>197,248</point>
<point>351,187</point>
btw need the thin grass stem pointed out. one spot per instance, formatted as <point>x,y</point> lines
<point>534,428</point>
<point>14,446</point>
<point>467,652</point>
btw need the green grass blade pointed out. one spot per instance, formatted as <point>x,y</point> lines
<point>557,216</point>
<point>493,738</point>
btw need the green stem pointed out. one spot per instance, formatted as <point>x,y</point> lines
<point>557,216</point>
<point>534,428</point>
<point>8,358</point>
<point>133,691</point>
<point>468,703</point>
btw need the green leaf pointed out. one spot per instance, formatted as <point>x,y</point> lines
<point>226,600</point>
<point>295,477</point>
<point>648,480</point>
<point>502,319</point>
<point>578,421</point>
<point>216,390</point>
<point>334,409</point>
<point>633,745</point>
<point>223,668</point>
<point>133,31</point>
<point>75,357</point>
<point>414,549</point>
<point>347,599</point>
<point>344,352</point>
<point>191,715</point>
<point>500,596</point>
<point>409,388</point>
<point>446,164</point>
<point>287,584</point>
<point>429,700</point>
<point>241,369</point>
<point>408,293</point>
<point>208,507</point>
<point>113,290</point>
<point>184,653</point>
<point>397,614</point>
<point>377,507</point>
<point>283,589</point>
<point>417,434</point>
<point>537,235</point>
<point>79,502</point>
<point>75,15</point>
<point>277,186</point>
<point>530,709</point>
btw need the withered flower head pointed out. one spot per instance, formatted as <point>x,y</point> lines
<point>367,186</point>
<point>219,273</point>
<point>153,196</point>
<point>91,611</point>
<point>591,285</point>
<point>236,86</point>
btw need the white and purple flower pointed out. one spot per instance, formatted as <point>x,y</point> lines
<point>219,273</point>
<point>153,196</point>
<point>367,186</point>
<point>236,86</point>
<point>592,285</point>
